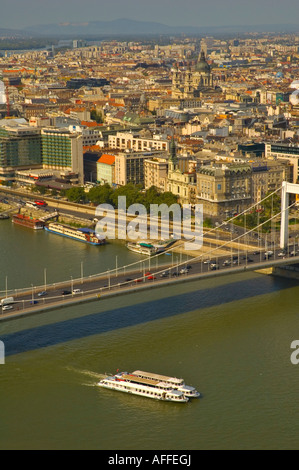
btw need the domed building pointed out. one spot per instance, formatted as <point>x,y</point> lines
<point>192,82</point>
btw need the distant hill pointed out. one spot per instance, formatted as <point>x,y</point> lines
<point>115,27</point>
<point>9,33</point>
<point>127,27</point>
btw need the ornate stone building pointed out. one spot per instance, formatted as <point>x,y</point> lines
<point>180,183</point>
<point>224,189</point>
<point>191,83</point>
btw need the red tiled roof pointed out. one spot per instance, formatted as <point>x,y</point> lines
<point>108,159</point>
<point>90,123</point>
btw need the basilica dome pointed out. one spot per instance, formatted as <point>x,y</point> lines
<point>202,65</point>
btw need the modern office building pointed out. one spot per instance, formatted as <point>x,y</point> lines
<point>62,150</point>
<point>20,148</point>
<point>129,167</point>
<point>278,151</point>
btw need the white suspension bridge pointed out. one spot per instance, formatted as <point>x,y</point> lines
<point>230,256</point>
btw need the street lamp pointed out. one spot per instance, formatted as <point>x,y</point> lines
<point>45,278</point>
<point>82,272</point>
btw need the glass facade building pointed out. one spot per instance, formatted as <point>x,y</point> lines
<point>20,147</point>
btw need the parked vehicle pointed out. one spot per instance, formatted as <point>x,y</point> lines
<point>31,204</point>
<point>38,202</point>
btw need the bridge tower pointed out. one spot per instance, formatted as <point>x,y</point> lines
<point>287,188</point>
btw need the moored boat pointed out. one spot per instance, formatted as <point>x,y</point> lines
<point>85,235</point>
<point>27,221</point>
<point>142,248</point>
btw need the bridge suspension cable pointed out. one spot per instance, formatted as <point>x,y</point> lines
<point>179,242</point>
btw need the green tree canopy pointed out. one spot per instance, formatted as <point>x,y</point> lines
<point>76,194</point>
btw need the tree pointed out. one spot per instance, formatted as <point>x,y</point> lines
<point>95,116</point>
<point>101,194</point>
<point>76,194</point>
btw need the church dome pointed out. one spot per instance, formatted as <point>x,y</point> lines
<point>202,65</point>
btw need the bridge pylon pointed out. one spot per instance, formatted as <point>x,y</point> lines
<point>287,188</point>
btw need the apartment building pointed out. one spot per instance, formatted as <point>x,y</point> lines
<point>133,141</point>
<point>129,167</point>
<point>155,173</point>
<point>106,169</point>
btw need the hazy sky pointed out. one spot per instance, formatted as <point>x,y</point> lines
<point>21,13</point>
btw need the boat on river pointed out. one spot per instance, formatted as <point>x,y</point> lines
<point>85,235</point>
<point>144,248</point>
<point>177,384</point>
<point>140,383</point>
<point>27,221</point>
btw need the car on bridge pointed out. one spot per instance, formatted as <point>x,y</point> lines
<point>7,307</point>
<point>226,262</point>
<point>184,271</point>
<point>214,266</point>
<point>164,274</point>
<point>42,294</point>
<point>269,253</point>
<point>77,291</point>
<point>282,253</point>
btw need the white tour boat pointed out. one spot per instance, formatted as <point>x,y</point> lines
<point>177,384</point>
<point>145,387</point>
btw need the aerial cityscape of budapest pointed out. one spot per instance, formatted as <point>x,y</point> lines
<point>149,228</point>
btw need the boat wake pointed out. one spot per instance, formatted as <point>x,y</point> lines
<point>89,373</point>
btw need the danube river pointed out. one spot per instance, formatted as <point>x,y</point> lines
<point>229,337</point>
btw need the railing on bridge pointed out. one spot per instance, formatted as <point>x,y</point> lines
<point>206,254</point>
